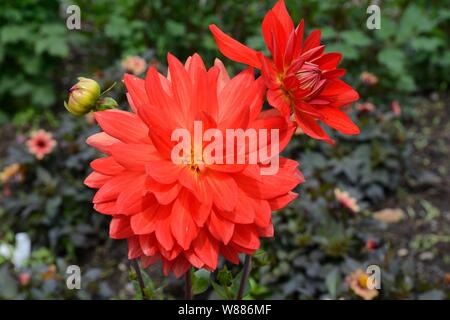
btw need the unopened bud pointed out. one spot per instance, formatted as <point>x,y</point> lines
<point>83,96</point>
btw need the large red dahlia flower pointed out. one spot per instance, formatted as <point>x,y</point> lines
<point>187,214</point>
<point>301,78</point>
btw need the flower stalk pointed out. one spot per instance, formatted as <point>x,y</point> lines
<point>245,276</point>
<point>136,268</point>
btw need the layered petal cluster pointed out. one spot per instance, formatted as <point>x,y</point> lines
<point>301,79</point>
<point>186,214</point>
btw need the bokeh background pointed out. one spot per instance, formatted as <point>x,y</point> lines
<point>380,198</point>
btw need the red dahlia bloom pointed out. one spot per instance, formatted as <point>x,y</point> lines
<point>187,214</point>
<point>301,78</point>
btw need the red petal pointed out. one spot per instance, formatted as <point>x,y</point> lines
<point>162,231</point>
<point>107,166</point>
<point>144,221</point>
<point>224,190</point>
<point>282,201</point>
<point>120,228</point>
<point>312,41</point>
<point>148,244</point>
<point>206,248</point>
<point>123,125</point>
<point>280,11</point>
<point>235,50</point>
<point>101,141</point>
<point>220,228</point>
<point>96,180</point>
<point>182,225</point>
<point>310,127</point>
<point>279,101</point>
<point>134,249</point>
<point>339,120</point>
<point>246,236</point>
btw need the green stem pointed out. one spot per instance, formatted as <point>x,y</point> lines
<point>136,268</point>
<point>245,275</point>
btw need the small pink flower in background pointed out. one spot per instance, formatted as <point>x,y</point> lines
<point>24,278</point>
<point>346,200</point>
<point>134,64</point>
<point>369,79</point>
<point>41,143</point>
<point>396,108</point>
<point>365,107</point>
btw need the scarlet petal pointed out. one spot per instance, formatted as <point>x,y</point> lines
<point>246,236</point>
<point>266,232</point>
<point>180,266</point>
<point>96,180</point>
<point>164,171</point>
<point>263,213</point>
<point>109,207</point>
<point>224,190</point>
<point>148,260</point>
<point>328,61</point>
<point>181,85</point>
<point>223,74</point>
<point>120,228</point>
<point>278,100</point>
<point>136,89</point>
<point>107,166</point>
<point>339,120</point>
<point>134,157</point>
<point>101,141</point>
<point>310,127</point>
<point>243,213</point>
<point>111,189</point>
<point>182,225</point>
<point>229,253</point>
<point>164,193</point>
<point>134,249</point>
<point>220,228</point>
<point>144,221</point>
<point>280,11</point>
<point>235,50</point>
<point>193,258</point>
<point>162,231</point>
<point>148,244</point>
<point>122,125</point>
<point>282,201</point>
<point>206,248</point>
<point>312,41</point>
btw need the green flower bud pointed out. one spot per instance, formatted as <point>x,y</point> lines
<point>83,96</point>
<point>106,103</point>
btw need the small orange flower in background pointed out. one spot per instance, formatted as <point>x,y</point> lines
<point>389,215</point>
<point>187,214</point>
<point>301,79</point>
<point>346,200</point>
<point>369,79</point>
<point>12,172</point>
<point>357,281</point>
<point>41,143</point>
<point>134,64</point>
